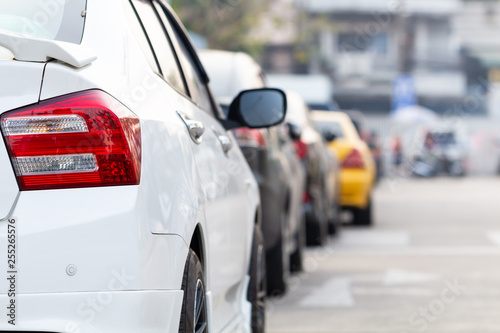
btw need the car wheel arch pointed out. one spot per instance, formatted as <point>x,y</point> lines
<point>197,244</point>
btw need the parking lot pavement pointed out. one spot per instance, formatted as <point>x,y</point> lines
<point>430,264</point>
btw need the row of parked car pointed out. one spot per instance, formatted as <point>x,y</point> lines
<point>149,192</point>
<point>308,168</point>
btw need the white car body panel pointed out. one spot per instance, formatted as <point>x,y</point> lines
<point>9,189</point>
<point>15,75</point>
<point>144,230</point>
<point>41,50</point>
<point>97,312</point>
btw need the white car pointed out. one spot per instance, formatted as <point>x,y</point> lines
<point>126,206</point>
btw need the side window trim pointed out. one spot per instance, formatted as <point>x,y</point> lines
<point>160,72</point>
<point>181,32</point>
<point>174,51</point>
<point>147,37</point>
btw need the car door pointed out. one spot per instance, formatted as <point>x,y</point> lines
<point>224,178</point>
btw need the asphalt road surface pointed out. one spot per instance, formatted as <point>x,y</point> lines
<point>431,263</point>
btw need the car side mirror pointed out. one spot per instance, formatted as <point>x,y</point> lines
<point>329,136</point>
<point>294,131</point>
<point>257,108</point>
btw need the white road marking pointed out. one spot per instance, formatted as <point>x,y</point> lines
<point>419,251</point>
<point>387,291</point>
<point>335,293</point>
<point>494,237</point>
<point>398,277</point>
<point>373,238</point>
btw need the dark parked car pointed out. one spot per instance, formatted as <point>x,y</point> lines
<point>271,156</point>
<point>322,195</point>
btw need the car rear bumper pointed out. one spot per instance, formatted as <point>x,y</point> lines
<point>86,261</point>
<point>89,312</point>
<point>356,187</point>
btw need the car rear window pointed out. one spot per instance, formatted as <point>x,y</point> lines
<point>332,127</point>
<point>61,20</point>
<point>444,139</point>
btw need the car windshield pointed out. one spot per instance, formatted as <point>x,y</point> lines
<point>324,106</point>
<point>54,20</point>
<point>331,127</point>
<point>444,139</point>
<point>320,107</point>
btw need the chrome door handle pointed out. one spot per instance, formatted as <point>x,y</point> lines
<point>224,140</point>
<point>226,143</point>
<point>195,128</point>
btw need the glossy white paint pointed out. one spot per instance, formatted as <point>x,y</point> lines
<point>114,312</point>
<point>144,230</point>
<point>15,75</point>
<point>8,189</point>
<point>32,49</point>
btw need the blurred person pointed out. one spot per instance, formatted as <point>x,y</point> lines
<point>429,142</point>
<point>397,153</point>
<point>376,150</point>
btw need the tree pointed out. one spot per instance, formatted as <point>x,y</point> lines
<point>227,24</point>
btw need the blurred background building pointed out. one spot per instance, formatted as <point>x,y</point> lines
<point>477,24</point>
<point>449,47</point>
<point>443,55</point>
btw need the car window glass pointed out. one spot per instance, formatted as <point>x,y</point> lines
<point>331,127</point>
<point>141,38</point>
<point>26,17</point>
<point>197,89</point>
<point>161,45</point>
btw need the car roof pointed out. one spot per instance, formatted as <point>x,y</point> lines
<point>340,117</point>
<point>315,89</point>
<point>330,115</point>
<point>231,72</point>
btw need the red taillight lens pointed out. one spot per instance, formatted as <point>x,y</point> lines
<point>84,139</point>
<point>353,161</point>
<point>306,198</point>
<point>247,137</point>
<point>301,148</point>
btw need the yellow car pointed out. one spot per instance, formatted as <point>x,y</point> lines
<point>358,169</point>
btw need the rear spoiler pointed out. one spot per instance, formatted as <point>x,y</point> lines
<point>32,49</point>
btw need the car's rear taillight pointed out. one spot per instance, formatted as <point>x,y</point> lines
<point>301,148</point>
<point>84,139</point>
<point>247,137</point>
<point>306,197</point>
<point>354,160</point>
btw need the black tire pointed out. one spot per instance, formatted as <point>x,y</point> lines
<point>275,263</point>
<point>363,216</point>
<point>333,229</point>
<point>276,284</point>
<point>335,225</point>
<point>317,224</point>
<point>257,288</point>
<point>194,306</point>
<point>316,235</point>
<point>296,256</point>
